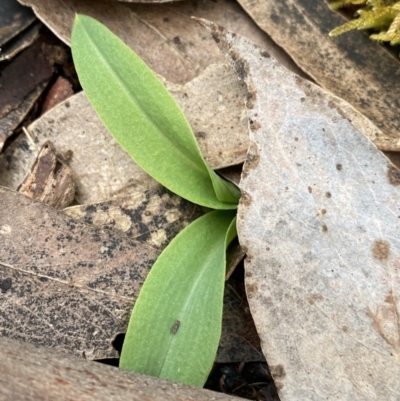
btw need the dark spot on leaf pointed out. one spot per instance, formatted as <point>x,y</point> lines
<point>303,99</point>
<point>393,174</point>
<point>67,104</point>
<point>328,194</point>
<point>254,125</point>
<point>251,290</point>
<point>245,200</point>
<point>324,228</point>
<point>265,54</point>
<point>339,166</point>
<point>6,284</point>
<point>177,40</point>
<point>381,250</point>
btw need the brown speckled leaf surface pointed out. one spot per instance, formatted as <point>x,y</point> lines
<point>319,219</point>
<point>351,66</point>
<point>163,35</point>
<point>73,285</point>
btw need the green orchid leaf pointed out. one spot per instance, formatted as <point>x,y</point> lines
<point>175,325</point>
<point>143,117</point>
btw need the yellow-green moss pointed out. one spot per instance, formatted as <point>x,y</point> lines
<point>382,16</point>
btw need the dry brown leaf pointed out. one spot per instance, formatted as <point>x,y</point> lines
<point>320,221</point>
<point>163,35</point>
<point>72,285</point>
<point>30,373</point>
<point>351,66</point>
<point>49,181</point>
<point>213,104</point>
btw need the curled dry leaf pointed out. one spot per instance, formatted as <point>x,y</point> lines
<point>320,220</point>
<point>213,104</point>
<point>14,19</point>
<point>72,285</point>
<point>50,181</point>
<point>59,376</point>
<point>16,161</point>
<point>163,35</point>
<point>21,83</point>
<point>351,66</point>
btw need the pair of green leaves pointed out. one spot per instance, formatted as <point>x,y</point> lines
<point>175,325</point>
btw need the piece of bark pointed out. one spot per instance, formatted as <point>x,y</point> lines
<point>16,161</point>
<point>21,42</point>
<point>60,91</point>
<point>319,219</point>
<point>13,20</point>
<point>73,285</point>
<point>163,35</point>
<point>49,181</point>
<point>29,373</point>
<point>213,103</point>
<point>351,66</point>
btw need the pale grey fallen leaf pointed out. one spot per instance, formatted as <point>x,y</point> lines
<point>163,35</point>
<point>351,66</point>
<point>320,219</point>
<point>213,104</point>
<point>70,285</point>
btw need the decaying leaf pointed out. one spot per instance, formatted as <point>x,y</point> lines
<point>13,20</point>
<point>21,42</point>
<point>16,161</point>
<point>351,66</point>
<point>213,104</point>
<point>50,180</point>
<point>154,216</point>
<point>73,285</point>
<point>21,83</point>
<point>52,375</point>
<point>163,35</point>
<point>320,220</point>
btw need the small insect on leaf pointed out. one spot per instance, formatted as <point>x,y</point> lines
<point>175,327</point>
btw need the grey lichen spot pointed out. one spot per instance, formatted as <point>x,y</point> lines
<point>381,250</point>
